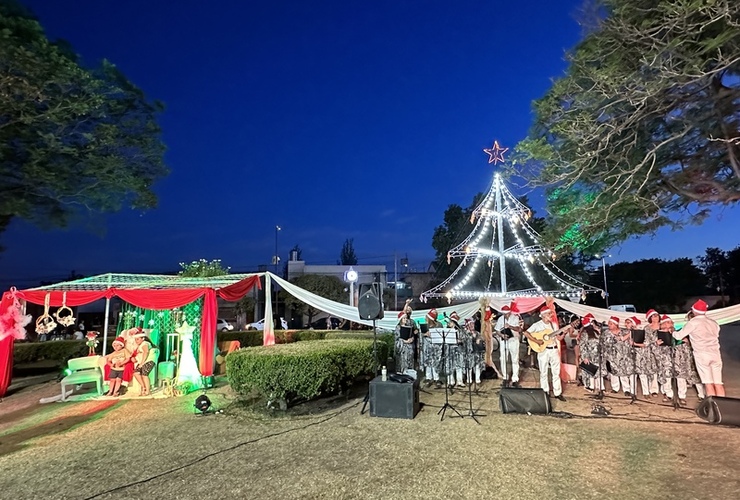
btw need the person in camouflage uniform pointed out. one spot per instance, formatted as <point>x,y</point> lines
<point>431,354</point>
<point>647,368</point>
<point>405,347</point>
<point>588,347</point>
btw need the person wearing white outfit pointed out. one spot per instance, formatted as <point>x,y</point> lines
<point>508,328</point>
<point>550,356</point>
<point>703,333</point>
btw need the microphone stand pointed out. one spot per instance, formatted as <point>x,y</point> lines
<point>471,413</point>
<point>600,394</point>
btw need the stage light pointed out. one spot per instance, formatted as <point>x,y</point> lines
<point>202,403</point>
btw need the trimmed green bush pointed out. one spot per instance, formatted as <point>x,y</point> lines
<point>302,370</point>
<point>57,350</point>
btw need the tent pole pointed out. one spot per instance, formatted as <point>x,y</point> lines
<point>105,324</point>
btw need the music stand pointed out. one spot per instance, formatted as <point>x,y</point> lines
<point>600,394</point>
<point>471,413</point>
<point>439,336</point>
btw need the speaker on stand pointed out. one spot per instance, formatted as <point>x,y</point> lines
<point>370,307</point>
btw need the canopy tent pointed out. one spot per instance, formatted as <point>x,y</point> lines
<point>165,292</point>
<point>158,292</point>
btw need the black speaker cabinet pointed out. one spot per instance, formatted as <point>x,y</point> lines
<point>394,399</point>
<point>720,410</point>
<point>370,303</point>
<point>524,400</point>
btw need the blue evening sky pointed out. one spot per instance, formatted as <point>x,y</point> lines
<point>334,119</point>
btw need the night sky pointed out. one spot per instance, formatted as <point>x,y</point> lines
<point>333,119</point>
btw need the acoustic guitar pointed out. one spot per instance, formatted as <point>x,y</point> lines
<point>546,336</point>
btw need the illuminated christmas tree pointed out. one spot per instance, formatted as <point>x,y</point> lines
<point>486,245</point>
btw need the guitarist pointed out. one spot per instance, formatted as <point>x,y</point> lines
<point>550,356</point>
<point>508,328</point>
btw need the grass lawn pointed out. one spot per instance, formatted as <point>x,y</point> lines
<point>160,449</point>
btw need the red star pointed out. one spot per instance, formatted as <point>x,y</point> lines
<point>496,153</point>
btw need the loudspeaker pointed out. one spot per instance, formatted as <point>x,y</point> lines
<point>370,303</point>
<point>394,399</point>
<point>720,410</point>
<point>524,400</point>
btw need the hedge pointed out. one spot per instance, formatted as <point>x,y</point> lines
<point>57,350</point>
<point>302,370</point>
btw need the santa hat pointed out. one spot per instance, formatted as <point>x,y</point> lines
<point>455,316</point>
<point>650,313</point>
<point>699,307</point>
<point>586,320</point>
<point>514,308</point>
<point>505,309</point>
<point>665,319</point>
<point>432,314</point>
<point>119,340</point>
<point>401,314</point>
<point>545,310</point>
<point>614,320</point>
<point>635,320</point>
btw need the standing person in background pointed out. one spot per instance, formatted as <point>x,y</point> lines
<point>703,333</point>
<point>619,355</point>
<point>647,363</point>
<point>508,328</point>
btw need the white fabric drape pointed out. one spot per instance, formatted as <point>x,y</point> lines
<point>468,309</point>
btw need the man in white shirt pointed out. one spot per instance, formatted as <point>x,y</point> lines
<point>508,328</point>
<point>550,356</point>
<point>703,333</point>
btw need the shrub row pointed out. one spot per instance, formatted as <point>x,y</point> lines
<point>62,350</point>
<point>303,370</point>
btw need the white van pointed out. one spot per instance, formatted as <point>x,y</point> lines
<point>628,308</point>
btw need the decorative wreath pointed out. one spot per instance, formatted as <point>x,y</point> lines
<point>66,319</point>
<point>45,323</point>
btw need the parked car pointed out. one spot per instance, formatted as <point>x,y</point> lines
<point>623,308</point>
<point>260,325</point>
<point>320,324</point>
<point>223,325</point>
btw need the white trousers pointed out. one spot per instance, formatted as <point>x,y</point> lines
<point>432,374</point>
<point>509,348</point>
<point>681,383</point>
<point>550,358</point>
<point>476,370</point>
<point>624,382</point>
<point>650,386</point>
<point>451,377</point>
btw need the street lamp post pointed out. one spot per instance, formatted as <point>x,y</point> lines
<point>276,261</point>
<point>351,276</point>
<point>603,267</point>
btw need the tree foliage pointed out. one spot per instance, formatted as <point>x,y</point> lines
<point>664,285</point>
<point>722,270</point>
<point>329,287</point>
<point>644,129</point>
<point>203,269</point>
<point>72,140</point>
<point>348,257</point>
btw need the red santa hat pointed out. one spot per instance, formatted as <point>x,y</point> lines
<point>455,316</point>
<point>545,310</point>
<point>650,313</point>
<point>635,320</point>
<point>614,320</point>
<point>432,314</point>
<point>665,319</point>
<point>514,308</point>
<point>699,307</point>
<point>505,309</point>
<point>401,314</point>
<point>586,320</point>
<point>119,340</point>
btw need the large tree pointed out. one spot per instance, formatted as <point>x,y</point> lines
<point>644,129</point>
<point>328,287</point>
<point>73,140</point>
<point>348,257</point>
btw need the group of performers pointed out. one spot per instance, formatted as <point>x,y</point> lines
<point>620,352</point>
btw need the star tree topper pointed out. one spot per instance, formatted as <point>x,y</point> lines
<point>496,153</point>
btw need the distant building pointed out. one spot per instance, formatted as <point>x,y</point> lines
<point>365,274</point>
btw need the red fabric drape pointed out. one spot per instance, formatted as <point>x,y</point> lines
<point>6,348</point>
<point>528,304</point>
<point>147,299</point>
<point>234,292</point>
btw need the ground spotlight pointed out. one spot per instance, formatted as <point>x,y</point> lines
<point>202,403</point>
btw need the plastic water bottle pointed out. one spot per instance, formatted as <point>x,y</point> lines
<point>383,373</point>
